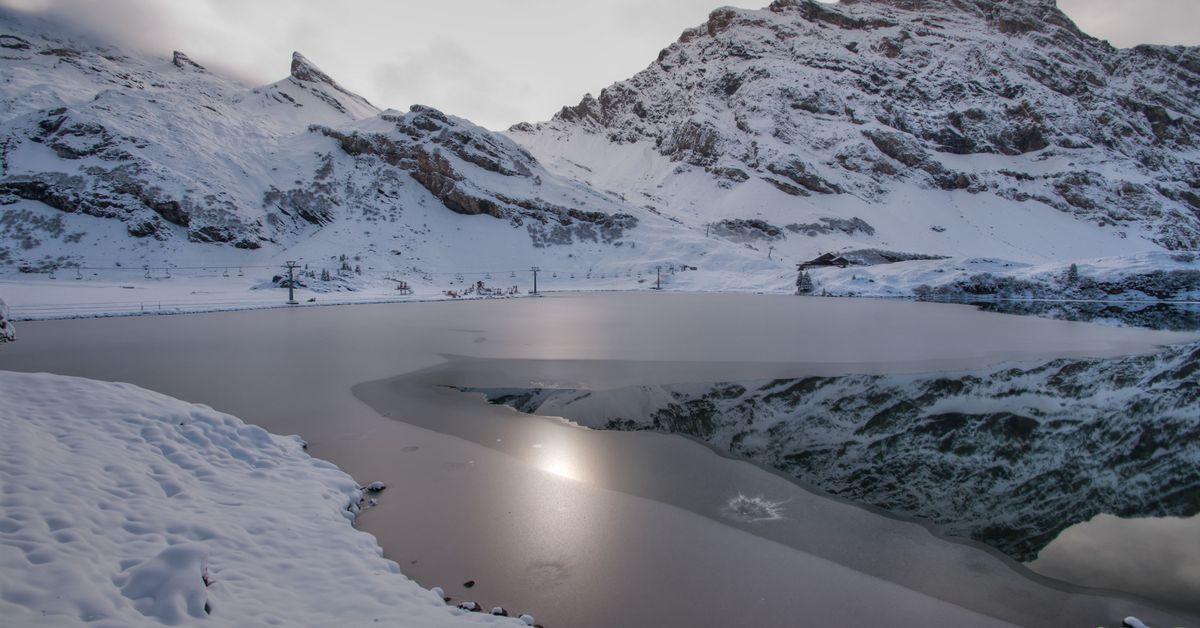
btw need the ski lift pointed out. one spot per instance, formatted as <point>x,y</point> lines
<point>488,276</point>
<point>512,275</point>
<point>226,273</point>
<point>572,275</point>
<point>146,267</point>
<point>555,275</point>
<point>168,272</point>
<point>78,273</point>
<point>240,273</point>
<point>52,273</point>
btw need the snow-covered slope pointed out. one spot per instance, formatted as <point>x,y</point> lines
<point>124,507</point>
<point>955,127</point>
<point>109,158</point>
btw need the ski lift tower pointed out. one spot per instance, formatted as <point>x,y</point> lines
<point>291,268</point>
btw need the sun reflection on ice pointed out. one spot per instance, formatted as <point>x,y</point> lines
<point>558,460</point>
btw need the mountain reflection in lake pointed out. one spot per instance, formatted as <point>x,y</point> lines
<point>1148,314</point>
<point>1010,456</point>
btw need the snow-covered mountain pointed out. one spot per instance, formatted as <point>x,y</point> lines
<point>1010,455</point>
<point>108,158</point>
<point>954,127</point>
<point>897,132</point>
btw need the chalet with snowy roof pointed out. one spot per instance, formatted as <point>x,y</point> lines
<point>827,259</point>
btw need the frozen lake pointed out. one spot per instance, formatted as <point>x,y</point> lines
<point>590,528</point>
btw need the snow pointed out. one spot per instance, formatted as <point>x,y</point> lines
<point>124,507</point>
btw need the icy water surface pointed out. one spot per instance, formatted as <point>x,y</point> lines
<point>586,527</point>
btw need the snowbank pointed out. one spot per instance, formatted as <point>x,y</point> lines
<point>124,507</point>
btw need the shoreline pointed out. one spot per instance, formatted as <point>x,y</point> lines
<point>125,309</point>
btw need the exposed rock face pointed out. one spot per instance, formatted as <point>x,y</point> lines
<point>829,225</point>
<point>741,230</point>
<point>442,153</point>
<point>8,333</point>
<point>1009,456</point>
<point>861,96</point>
<point>183,62</point>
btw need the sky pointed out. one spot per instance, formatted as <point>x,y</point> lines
<point>495,62</point>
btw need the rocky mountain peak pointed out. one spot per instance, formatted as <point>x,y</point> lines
<point>868,97</point>
<point>183,62</point>
<point>305,70</point>
<point>1008,16</point>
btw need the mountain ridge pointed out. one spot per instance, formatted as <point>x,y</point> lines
<point>757,140</point>
<point>859,96</point>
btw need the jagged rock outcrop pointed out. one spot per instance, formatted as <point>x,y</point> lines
<point>304,72</point>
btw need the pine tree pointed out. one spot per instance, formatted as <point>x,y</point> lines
<point>804,283</point>
<point>1073,274</point>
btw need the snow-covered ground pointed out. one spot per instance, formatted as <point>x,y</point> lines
<point>109,292</point>
<point>1144,276</point>
<point>124,507</point>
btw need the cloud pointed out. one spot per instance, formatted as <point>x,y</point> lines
<point>495,62</point>
<point>1127,23</point>
<point>446,75</point>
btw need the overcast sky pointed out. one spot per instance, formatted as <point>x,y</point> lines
<point>495,62</point>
